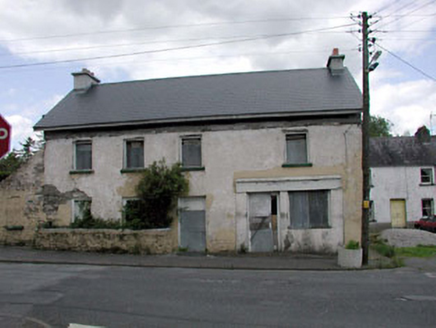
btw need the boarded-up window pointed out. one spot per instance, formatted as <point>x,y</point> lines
<point>83,155</point>
<point>134,154</point>
<point>296,149</point>
<point>309,209</point>
<point>427,207</point>
<point>427,176</point>
<point>191,152</point>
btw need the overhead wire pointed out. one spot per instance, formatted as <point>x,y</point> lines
<point>407,63</point>
<point>407,14</point>
<point>127,44</point>
<point>388,6</point>
<point>177,48</point>
<point>170,27</point>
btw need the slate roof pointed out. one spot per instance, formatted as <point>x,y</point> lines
<point>206,97</point>
<point>402,151</point>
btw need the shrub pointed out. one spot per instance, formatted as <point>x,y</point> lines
<point>90,222</point>
<point>157,192</point>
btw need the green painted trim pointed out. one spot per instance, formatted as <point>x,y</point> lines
<point>14,228</point>
<point>81,171</point>
<point>201,168</point>
<point>136,170</point>
<point>297,165</point>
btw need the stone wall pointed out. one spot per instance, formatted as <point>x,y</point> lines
<point>26,203</point>
<point>159,241</point>
<point>21,202</point>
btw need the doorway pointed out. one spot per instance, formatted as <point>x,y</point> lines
<point>192,224</point>
<point>398,213</point>
<point>262,222</point>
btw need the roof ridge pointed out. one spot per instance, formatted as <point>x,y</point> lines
<point>213,75</point>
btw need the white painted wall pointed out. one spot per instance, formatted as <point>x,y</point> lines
<point>228,155</point>
<point>399,183</point>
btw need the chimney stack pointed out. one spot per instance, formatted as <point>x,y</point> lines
<point>84,80</point>
<point>336,63</point>
<point>423,134</point>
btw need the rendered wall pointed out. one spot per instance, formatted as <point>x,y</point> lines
<point>229,153</point>
<point>399,183</point>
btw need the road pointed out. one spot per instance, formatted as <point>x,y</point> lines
<point>58,295</point>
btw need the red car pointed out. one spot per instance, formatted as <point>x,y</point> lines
<point>426,223</point>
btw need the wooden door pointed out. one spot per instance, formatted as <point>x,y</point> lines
<point>398,213</point>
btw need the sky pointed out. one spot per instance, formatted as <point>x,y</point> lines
<point>42,42</point>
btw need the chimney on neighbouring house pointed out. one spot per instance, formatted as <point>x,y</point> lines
<point>423,134</point>
<point>336,62</point>
<point>84,80</point>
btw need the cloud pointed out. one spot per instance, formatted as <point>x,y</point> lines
<point>21,128</point>
<point>137,26</point>
<point>408,105</point>
<point>29,112</point>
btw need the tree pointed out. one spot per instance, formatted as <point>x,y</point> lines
<point>379,127</point>
<point>10,163</point>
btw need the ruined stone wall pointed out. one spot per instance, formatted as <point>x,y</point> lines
<point>159,241</point>
<point>21,202</point>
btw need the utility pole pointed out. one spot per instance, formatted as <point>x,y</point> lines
<point>365,139</point>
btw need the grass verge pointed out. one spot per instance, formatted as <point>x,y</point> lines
<point>418,251</point>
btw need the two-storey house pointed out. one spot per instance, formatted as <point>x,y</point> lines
<point>273,158</point>
<point>402,178</point>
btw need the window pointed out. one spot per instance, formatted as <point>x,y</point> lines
<point>427,176</point>
<point>131,208</point>
<point>134,154</point>
<point>296,149</point>
<point>191,152</point>
<point>309,209</point>
<point>427,207</point>
<point>81,209</point>
<point>83,155</point>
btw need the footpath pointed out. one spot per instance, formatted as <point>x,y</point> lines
<point>277,261</point>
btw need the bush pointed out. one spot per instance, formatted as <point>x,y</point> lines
<point>89,222</point>
<point>157,192</point>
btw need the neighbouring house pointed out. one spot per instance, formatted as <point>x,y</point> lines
<point>273,158</point>
<point>402,178</point>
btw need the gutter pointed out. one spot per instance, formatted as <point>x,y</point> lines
<point>196,119</point>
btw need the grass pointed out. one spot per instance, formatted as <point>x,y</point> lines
<point>418,251</point>
<point>396,255</point>
<point>384,249</point>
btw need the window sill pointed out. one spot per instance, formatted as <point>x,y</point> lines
<point>314,228</point>
<point>81,171</point>
<point>133,170</point>
<point>201,168</point>
<point>297,165</point>
<point>426,184</point>
<point>14,228</point>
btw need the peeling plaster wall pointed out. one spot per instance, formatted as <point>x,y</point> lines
<point>229,153</point>
<point>399,183</point>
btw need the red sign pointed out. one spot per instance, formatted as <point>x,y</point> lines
<point>5,136</point>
